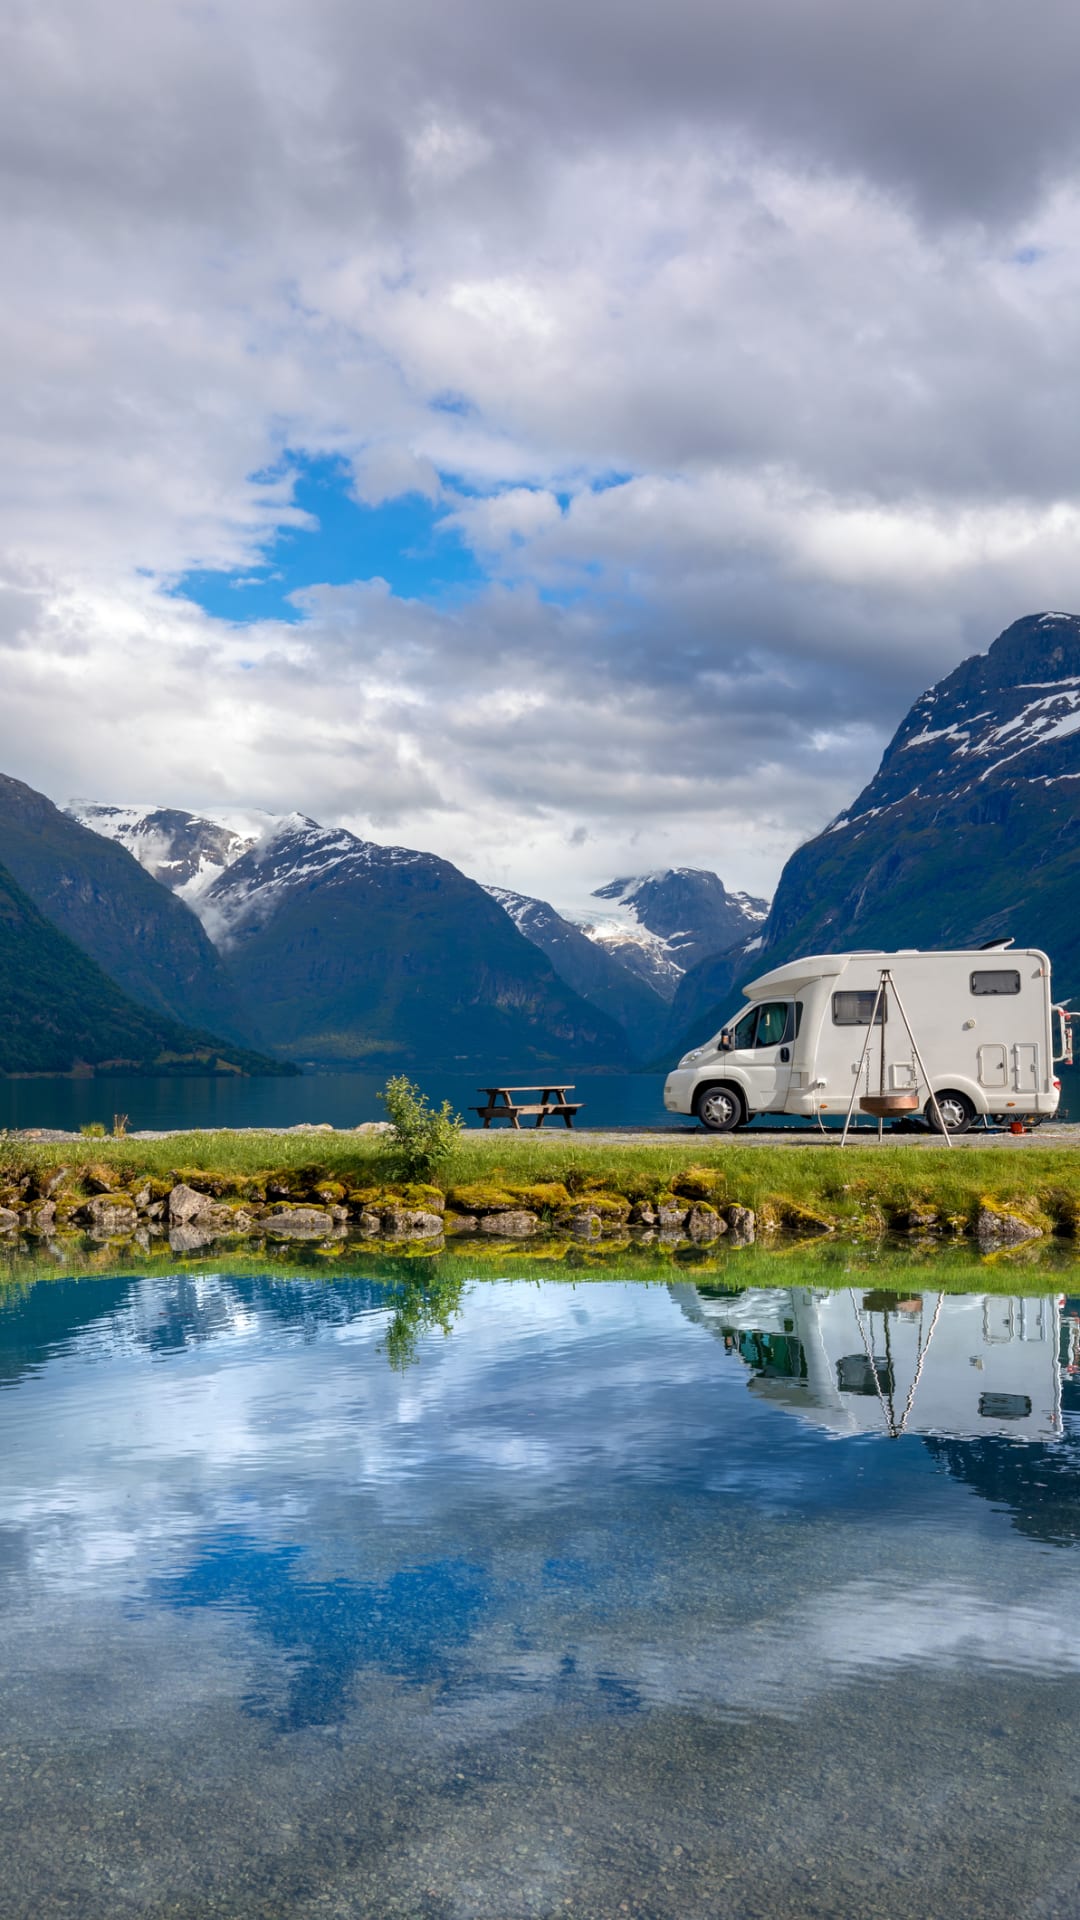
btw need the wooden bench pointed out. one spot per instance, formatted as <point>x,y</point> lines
<point>500,1105</point>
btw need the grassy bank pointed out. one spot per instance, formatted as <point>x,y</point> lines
<point>815,1189</point>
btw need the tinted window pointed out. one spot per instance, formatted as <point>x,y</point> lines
<point>742,1033</point>
<point>854,1009</point>
<point>772,1023</point>
<point>996,980</point>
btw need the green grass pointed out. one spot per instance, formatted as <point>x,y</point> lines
<point>861,1186</point>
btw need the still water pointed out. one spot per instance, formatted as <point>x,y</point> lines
<point>343,1099</point>
<point>597,1598</point>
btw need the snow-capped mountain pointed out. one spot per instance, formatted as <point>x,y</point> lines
<point>357,954</point>
<point>659,924</point>
<point>967,832</point>
<point>587,965</point>
<point>185,851</point>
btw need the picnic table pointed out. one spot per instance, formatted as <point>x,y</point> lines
<point>501,1106</point>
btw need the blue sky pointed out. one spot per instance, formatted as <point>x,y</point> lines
<point>403,542</point>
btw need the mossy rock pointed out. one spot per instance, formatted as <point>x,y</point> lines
<point>478,1197</point>
<point>97,1178</point>
<point>547,1196</point>
<point>422,1197</point>
<point>375,1198</point>
<point>330,1193</point>
<point>608,1205</point>
<point>697,1183</point>
<point>795,1218</point>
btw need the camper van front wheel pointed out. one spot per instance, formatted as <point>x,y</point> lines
<point>956,1111</point>
<point>719,1108</point>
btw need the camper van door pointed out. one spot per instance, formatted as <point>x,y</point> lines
<point>764,1039</point>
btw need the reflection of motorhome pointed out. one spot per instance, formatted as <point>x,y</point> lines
<point>983,1021</point>
<point>969,1365</point>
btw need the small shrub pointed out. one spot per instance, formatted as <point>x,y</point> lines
<point>423,1137</point>
<point>93,1130</point>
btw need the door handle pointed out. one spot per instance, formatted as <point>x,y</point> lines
<point>785,1053</point>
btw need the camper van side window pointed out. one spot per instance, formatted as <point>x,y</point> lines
<point>996,980</point>
<point>854,1009</point>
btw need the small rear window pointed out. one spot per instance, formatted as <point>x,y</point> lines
<point>1004,1406</point>
<point>995,980</point>
<point>854,1009</point>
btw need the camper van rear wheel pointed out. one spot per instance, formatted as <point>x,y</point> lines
<point>719,1108</point>
<point>956,1111</point>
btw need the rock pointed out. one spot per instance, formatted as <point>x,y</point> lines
<point>516,1225</point>
<point>340,1214</point>
<point>43,1217</point>
<point>299,1223</point>
<point>56,1180</point>
<point>190,1239</point>
<point>460,1223</point>
<point>109,1213</point>
<point>370,1223</point>
<point>9,1220</point>
<point>142,1198</point>
<point>993,1229</point>
<point>582,1222</point>
<point>185,1205</point>
<point>741,1226</point>
<point>704,1223</point>
<point>374,1126</point>
<point>413,1223</point>
<point>670,1219</point>
<point>643,1215</point>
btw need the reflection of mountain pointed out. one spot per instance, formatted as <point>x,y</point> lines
<point>1038,1485</point>
<point>55,1317</point>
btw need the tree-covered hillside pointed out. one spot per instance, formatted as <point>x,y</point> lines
<point>59,1012</point>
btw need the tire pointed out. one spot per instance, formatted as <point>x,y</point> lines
<point>720,1109</point>
<point>956,1111</point>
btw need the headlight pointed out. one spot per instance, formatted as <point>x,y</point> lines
<point>694,1054</point>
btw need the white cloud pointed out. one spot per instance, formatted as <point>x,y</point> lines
<point>741,346</point>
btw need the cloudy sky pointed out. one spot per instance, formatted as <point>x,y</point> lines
<point>563,437</point>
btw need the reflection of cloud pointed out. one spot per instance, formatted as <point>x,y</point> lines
<point>572,1499</point>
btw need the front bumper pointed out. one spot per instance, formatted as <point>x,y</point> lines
<point>679,1090</point>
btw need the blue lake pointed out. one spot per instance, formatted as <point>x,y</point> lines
<point>598,1598</point>
<point>343,1099</point>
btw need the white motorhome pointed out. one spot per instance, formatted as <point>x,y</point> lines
<point>985,1027</point>
<point>973,1365</point>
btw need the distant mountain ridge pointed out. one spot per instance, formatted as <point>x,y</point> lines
<point>590,967</point>
<point>357,954</point>
<point>659,924</point>
<point>966,833</point>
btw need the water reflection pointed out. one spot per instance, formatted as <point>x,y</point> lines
<point>856,1361</point>
<point>391,1597</point>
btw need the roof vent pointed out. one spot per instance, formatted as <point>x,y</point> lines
<point>996,946</point>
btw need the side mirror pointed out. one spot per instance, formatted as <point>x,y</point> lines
<point>725,1040</point>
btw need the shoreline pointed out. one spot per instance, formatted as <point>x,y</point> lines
<point>690,1189</point>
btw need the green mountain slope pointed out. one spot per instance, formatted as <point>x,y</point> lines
<point>59,1011</point>
<point>358,955</point>
<point>97,894</point>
